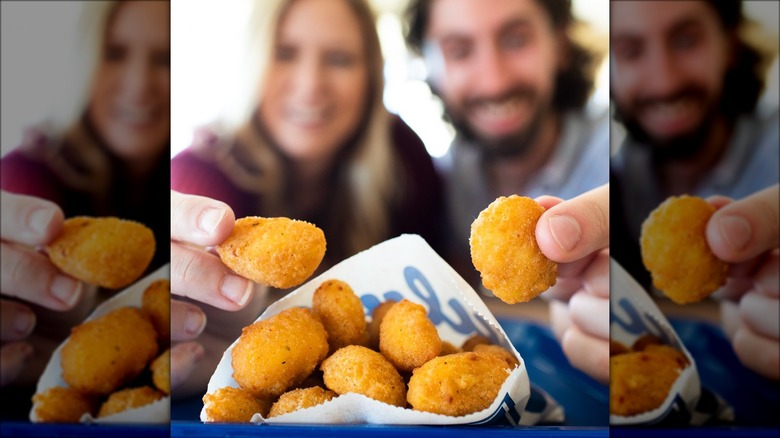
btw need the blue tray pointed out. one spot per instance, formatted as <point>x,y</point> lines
<point>755,399</point>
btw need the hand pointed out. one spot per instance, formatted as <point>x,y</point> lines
<point>575,233</point>
<point>27,223</point>
<point>745,234</point>
<point>198,274</point>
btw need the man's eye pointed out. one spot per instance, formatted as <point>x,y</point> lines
<point>685,41</point>
<point>514,41</point>
<point>457,52</point>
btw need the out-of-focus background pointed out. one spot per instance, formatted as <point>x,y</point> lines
<point>205,38</point>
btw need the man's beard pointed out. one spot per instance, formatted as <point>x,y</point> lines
<point>513,144</point>
<point>680,147</point>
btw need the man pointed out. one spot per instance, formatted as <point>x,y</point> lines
<point>686,86</point>
<point>515,87</point>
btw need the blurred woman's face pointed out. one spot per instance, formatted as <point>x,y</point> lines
<point>315,92</point>
<point>130,101</point>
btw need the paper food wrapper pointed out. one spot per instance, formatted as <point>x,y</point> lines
<point>157,412</point>
<point>401,268</point>
<point>633,314</point>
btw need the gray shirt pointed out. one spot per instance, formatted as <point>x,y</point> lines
<point>579,163</point>
<point>750,163</point>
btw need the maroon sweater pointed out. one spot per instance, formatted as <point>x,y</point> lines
<point>419,211</point>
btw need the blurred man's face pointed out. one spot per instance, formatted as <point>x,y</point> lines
<point>493,63</point>
<point>668,65</point>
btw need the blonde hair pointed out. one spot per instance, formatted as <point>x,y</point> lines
<point>73,153</point>
<point>368,184</point>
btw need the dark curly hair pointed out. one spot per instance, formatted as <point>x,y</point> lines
<point>744,81</point>
<point>573,84</point>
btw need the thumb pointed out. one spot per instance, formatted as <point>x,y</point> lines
<point>575,228</point>
<point>743,229</point>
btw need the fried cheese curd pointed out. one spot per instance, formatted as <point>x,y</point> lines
<point>407,338</point>
<point>62,405</point>
<point>129,398</point>
<point>300,398</point>
<point>640,381</point>
<point>278,252</point>
<point>340,312</point>
<point>274,354</point>
<point>103,354</point>
<point>448,348</point>
<point>500,352</point>
<point>457,384</point>
<point>161,372</point>
<point>364,371</point>
<point>156,305</point>
<point>675,250</point>
<point>105,251</point>
<point>234,405</point>
<point>473,341</point>
<point>505,252</point>
<point>377,315</point>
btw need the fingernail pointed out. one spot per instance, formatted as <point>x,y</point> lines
<point>209,219</point>
<point>566,231</point>
<point>39,221</point>
<point>66,289</point>
<point>735,231</point>
<point>236,289</point>
<point>24,322</point>
<point>194,322</point>
<point>184,358</point>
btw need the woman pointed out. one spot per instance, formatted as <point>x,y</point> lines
<point>313,142</point>
<point>104,153</point>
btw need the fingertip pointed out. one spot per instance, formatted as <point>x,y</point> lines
<point>548,202</point>
<point>13,357</point>
<point>558,237</point>
<point>216,221</point>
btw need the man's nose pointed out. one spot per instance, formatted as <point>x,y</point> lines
<point>493,76</point>
<point>662,74</point>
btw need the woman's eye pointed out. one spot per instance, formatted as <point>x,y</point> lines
<point>284,53</point>
<point>339,59</point>
<point>115,53</point>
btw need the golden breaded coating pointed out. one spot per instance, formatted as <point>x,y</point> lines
<point>156,304</point>
<point>301,398</point>
<point>640,381</point>
<point>616,348</point>
<point>377,315</point>
<point>473,341</point>
<point>457,384</point>
<point>505,252</point>
<point>129,398</point>
<point>62,405</point>
<point>364,371</point>
<point>107,251</point>
<point>675,250</point>
<point>407,338</point>
<point>642,342</point>
<point>279,252</point>
<point>234,405</point>
<point>341,312</point>
<point>448,348</point>
<point>161,372</point>
<point>274,354</point>
<point>103,354</point>
<point>507,356</point>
